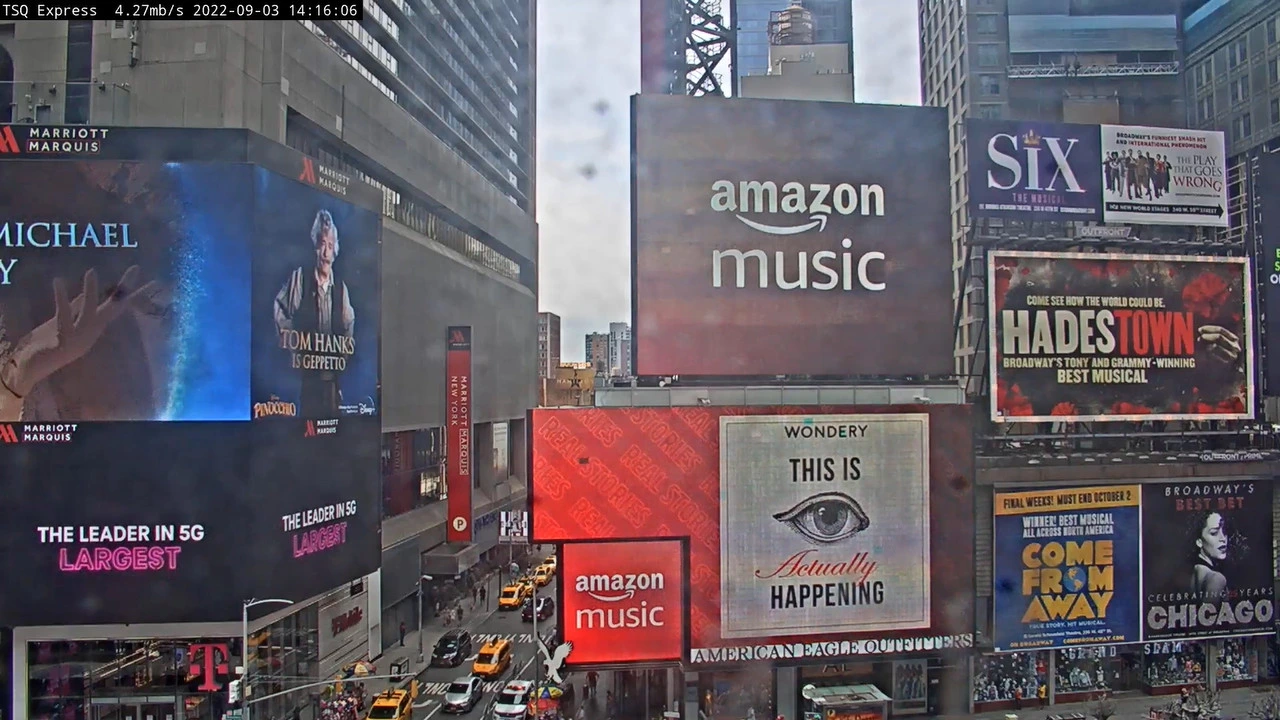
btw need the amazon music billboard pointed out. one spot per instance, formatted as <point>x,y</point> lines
<point>812,532</point>
<point>183,383</point>
<point>776,237</point>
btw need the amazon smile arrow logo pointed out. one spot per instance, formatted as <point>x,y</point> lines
<point>816,201</point>
<point>816,221</point>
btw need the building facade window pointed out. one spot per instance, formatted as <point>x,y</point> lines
<point>1205,109</point>
<point>1275,111</point>
<point>79,71</point>
<point>412,470</point>
<point>988,56</point>
<point>990,84</point>
<point>1242,128</point>
<point>1240,90</point>
<point>1238,53</point>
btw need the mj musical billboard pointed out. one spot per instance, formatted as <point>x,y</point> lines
<point>188,407</point>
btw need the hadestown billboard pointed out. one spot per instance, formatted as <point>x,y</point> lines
<point>797,238</point>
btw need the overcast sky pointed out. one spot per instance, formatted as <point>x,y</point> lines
<point>588,67</point>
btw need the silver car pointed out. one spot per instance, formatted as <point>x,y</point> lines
<point>463,694</point>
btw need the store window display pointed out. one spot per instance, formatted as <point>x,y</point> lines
<point>110,679</point>
<point>737,695</point>
<point>1010,677</point>
<point>1174,663</point>
<point>1084,671</point>
<point>1238,661</point>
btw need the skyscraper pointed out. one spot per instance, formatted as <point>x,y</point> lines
<point>1042,60</point>
<point>832,23</point>
<point>620,349</point>
<point>548,344</point>
<point>597,352</point>
<point>1233,84</point>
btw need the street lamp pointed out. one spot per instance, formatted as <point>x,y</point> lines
<point>244,646</point>
<point>422,658</point>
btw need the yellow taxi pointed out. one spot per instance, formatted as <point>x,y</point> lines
<point>550,562</point>
<point>542,576</point>
<point>514,595</point>
<point>493,660</point>
<point>393,705</point>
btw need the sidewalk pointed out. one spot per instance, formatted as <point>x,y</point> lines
<point>431,632</point>
<point>1135,705</point>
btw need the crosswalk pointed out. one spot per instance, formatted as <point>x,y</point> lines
<point>478,640</point>
<point>515,638</point>
<point>439,688</point>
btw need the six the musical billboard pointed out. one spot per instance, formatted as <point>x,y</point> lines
<point>1141,175</point>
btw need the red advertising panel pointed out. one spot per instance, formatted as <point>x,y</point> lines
<point>622,601</point>
<point>1087,337</point>
<point>813,532</point>
<point>457,364</point>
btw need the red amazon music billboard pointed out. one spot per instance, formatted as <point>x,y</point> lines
<point>812,532</point>
<point>622,601</point>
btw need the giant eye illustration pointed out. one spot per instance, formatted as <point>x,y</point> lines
<point>826,518</point>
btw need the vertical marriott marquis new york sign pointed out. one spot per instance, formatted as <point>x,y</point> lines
<point>783,245</point>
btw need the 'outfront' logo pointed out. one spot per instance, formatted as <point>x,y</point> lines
<point>817,201</point>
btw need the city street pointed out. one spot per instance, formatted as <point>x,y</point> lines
<point>434,681</point>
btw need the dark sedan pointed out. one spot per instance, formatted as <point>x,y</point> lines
<point>546,606</point>
<point>453,649</point>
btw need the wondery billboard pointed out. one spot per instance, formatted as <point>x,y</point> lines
<point>1268,194</point>
<point>458,432</point>
<point>1067,567</point>
<point>1164,176</point>
<point>127,314</point>
<point>782,237</point>
<point>1034,170</point>
<point>843,497</point>
<point>1080,337</point>
<point>623,474</point>
<point>1207,559</point>
<point>622,601</point>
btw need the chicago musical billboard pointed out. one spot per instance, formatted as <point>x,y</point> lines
<point>1207,562</point>
<point>1081,337</point>
<point>128,359</point>
<point>813,532</point>
<point>778,237</point>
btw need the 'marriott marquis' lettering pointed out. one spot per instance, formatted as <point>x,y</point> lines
<point>818,201</point>
<point>45,235</point>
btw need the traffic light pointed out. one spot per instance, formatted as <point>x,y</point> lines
<point>233,691</point>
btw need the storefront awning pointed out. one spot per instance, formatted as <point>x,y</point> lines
<point>450,559</point>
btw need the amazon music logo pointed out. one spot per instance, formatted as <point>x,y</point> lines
<point>624,600</point>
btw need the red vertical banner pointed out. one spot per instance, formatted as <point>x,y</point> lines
<point>457,367</point>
